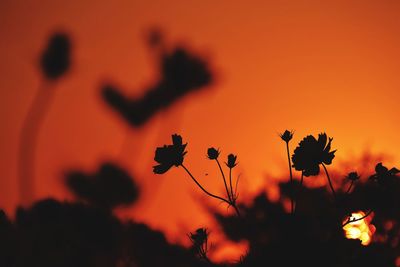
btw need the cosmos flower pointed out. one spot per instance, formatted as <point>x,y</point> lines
<point>310,153</point>
<point>353,176</point>
<point>212,153</point>
<point>287,136</point>
<point>231,161</point>
<point>169,155</point>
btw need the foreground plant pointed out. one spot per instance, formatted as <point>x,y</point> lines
<point>168,156</point>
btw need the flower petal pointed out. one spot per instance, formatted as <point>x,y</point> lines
<point>328,157</point>
<point>322,140</point>
<point>311,171</point>
<point>160,169</point>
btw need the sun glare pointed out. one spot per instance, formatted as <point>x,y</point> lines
<point>361,229</point>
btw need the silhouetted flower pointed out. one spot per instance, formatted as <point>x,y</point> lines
<point>311,152</point>
<point>55,60</point>
<point>353,176</point>
<point>287,136</point>
<point>212,153</point>
<point>231,161</point>
<point>199,237</point>
<point>383,175</point>
<point>169,155</point>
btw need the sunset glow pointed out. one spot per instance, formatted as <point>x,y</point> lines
<point>307,66</point>
<point>361,229</point>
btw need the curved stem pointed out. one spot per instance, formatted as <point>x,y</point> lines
<point>330,182</point>
<point>359,219</point>
<point>28,140</point>
<point>223,177</point>
<point>351,185</point>
<point>202,188</point>
<point>291,179</point>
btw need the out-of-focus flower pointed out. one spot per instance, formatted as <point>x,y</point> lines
<point>353,176</point>
<point>55,60</point>
<point>287,136</point>
<point>231,161</point>
<point>169,155</point>
<point>311,152</point>
<point>383,175</point>
<point>212,153</point>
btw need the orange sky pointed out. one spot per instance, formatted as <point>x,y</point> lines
<point>310,66</point>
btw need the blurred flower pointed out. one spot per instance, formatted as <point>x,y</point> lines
<point>287,136</point>
<point>310,153</point>
<point>383,175</point>
<point>231,161</point>
<point>169,155</point>
<point>353,176</point>
<point>55,60</point>
<point>212,153</point>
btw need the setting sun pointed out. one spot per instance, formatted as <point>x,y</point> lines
<point>361,229</point>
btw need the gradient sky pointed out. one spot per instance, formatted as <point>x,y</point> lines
<point>310,66</point>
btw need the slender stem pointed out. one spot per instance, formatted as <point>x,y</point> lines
<point>351,185</point>
<point>202,188</point>
<point>223,177</point>
<point>349,220</point>
<point>298,193</point>
<point>28,140</point>
<point>291,179</point>
<point>330,182</point>
<point>230,184</point>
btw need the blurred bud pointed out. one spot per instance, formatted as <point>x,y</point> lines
<point>55,60</point>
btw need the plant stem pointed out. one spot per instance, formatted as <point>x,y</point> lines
<point>330,182</point>
<point>223,177</point>
<point>359,219</point>
<point>351,185</point>
<point>298,194</point>
<point>202,188</point>
<point>28,140</point>
<point>291,179</point>
<point>230,184</point>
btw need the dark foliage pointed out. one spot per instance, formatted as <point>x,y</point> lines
<point>110,186</point>
<point>314,235</point>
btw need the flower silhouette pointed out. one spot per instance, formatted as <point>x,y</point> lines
<point>353,176</point>
<point>286,136</point>
<point>311,153</point>
<point>200,243</point>
<point>212,153</point>
<point>169,155</point>
<point>231,161</point>
<point>199,237</point>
